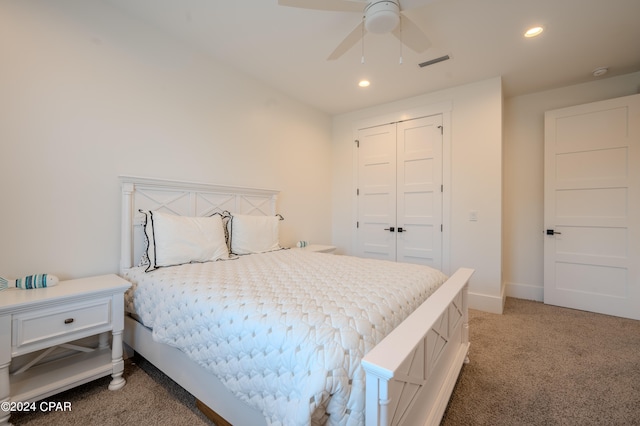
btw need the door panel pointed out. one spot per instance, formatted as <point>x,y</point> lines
<point>604,165</point>
<point>377,192</point>
<point>419,150</point>
<point>592,203</point>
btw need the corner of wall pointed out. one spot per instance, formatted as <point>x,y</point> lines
<point>487,303</point>
<point>524,291</point>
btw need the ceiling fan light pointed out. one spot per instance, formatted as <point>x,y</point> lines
<point>382,17</point>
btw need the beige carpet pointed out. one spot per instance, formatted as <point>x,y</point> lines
<point>148,398</point>
<point>543,365</point>
<point>534,365</point>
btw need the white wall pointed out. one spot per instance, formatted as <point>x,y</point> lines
<point>524,175</point>
<point>475,138</point>
<point>87,94</point>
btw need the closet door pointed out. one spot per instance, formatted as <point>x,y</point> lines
<point>419,191</point>
<point>399,191</point>
<point>377,192</point>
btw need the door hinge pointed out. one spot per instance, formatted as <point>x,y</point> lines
<point>357,143</point>
<point>358,224</point>
<point>441,129</point>
<point>441,188</point>
<point>357,191</point>
<point>440,227</point>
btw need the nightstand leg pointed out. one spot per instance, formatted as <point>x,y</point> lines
<point>103,340</point>
<point>118,363</point>
<point>4,395</point>
<point>5,362</point>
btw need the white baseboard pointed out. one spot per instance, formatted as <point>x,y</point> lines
<point>487,303</point>
<point>525,291</point>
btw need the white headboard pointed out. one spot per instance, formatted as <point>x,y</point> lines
<point>184,199</point>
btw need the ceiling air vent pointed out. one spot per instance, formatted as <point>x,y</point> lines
<point>434,61</point>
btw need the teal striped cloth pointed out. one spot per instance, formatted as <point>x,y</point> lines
<point>29,282</point>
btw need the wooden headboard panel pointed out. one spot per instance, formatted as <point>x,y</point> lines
<point>184,199</point>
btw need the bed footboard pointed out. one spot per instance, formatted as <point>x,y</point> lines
<point>412,372</point>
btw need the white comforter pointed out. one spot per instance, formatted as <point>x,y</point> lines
<point>286,330</point>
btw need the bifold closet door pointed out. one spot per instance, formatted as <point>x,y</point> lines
<point>400,191</point>
<point>377,192</point>
<point>419,191</point>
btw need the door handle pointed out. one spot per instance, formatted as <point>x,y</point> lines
<point>391,229</point>
<point>552,232</point>
<point>400,229</point>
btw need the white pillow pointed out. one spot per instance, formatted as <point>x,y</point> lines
<point>174,240</point>
<point>254,234</point>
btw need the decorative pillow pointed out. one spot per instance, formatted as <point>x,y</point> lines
<point>174,240</point>
<point>254,234</point>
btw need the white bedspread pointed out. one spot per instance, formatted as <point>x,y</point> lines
<point>286,330</point>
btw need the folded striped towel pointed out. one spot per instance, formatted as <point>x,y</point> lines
<point>29,282</point>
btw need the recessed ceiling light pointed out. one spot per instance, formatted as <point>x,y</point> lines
<point>533,32</point>
<point>364,83</point>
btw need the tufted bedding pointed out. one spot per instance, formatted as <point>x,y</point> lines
<point>285,331</point>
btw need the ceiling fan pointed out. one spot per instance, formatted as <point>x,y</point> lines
<point>379,17</point>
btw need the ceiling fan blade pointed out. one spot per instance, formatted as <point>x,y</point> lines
<point>333,5</point>
<point>349,41</point>
<point>414,4</point>
<point>411,35</point>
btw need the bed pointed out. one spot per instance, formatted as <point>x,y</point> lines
<point>275,336</point>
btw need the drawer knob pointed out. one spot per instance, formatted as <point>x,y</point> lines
<point>68,321</point>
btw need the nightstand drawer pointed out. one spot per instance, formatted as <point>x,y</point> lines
<point>46,325</point>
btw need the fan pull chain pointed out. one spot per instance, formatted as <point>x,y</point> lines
<point>400,38</point>
<point>362,60</point>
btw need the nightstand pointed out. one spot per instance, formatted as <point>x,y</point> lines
<point>39,355</point>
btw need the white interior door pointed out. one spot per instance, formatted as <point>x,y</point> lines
<point>592,207</point>
<point>419,191</point>
<point>377,192</point>
<point>400,191</point>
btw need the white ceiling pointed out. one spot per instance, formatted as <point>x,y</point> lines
<point>287,47</point>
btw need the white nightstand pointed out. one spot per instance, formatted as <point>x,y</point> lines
<point>37,326</point>
<point>319,248</point>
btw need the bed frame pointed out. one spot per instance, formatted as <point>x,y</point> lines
<point>409,375</point>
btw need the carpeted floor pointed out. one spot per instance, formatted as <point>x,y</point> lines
<point>149,398</point>
<point>544,365</point>
<point>534,365</point>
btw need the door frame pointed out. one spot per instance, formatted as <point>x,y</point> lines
<point>443,108</point>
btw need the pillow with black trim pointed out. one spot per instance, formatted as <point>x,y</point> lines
<point>147,228</point>
<point>175,240</point>
<point>226,224</point>
<point>254,234</point>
